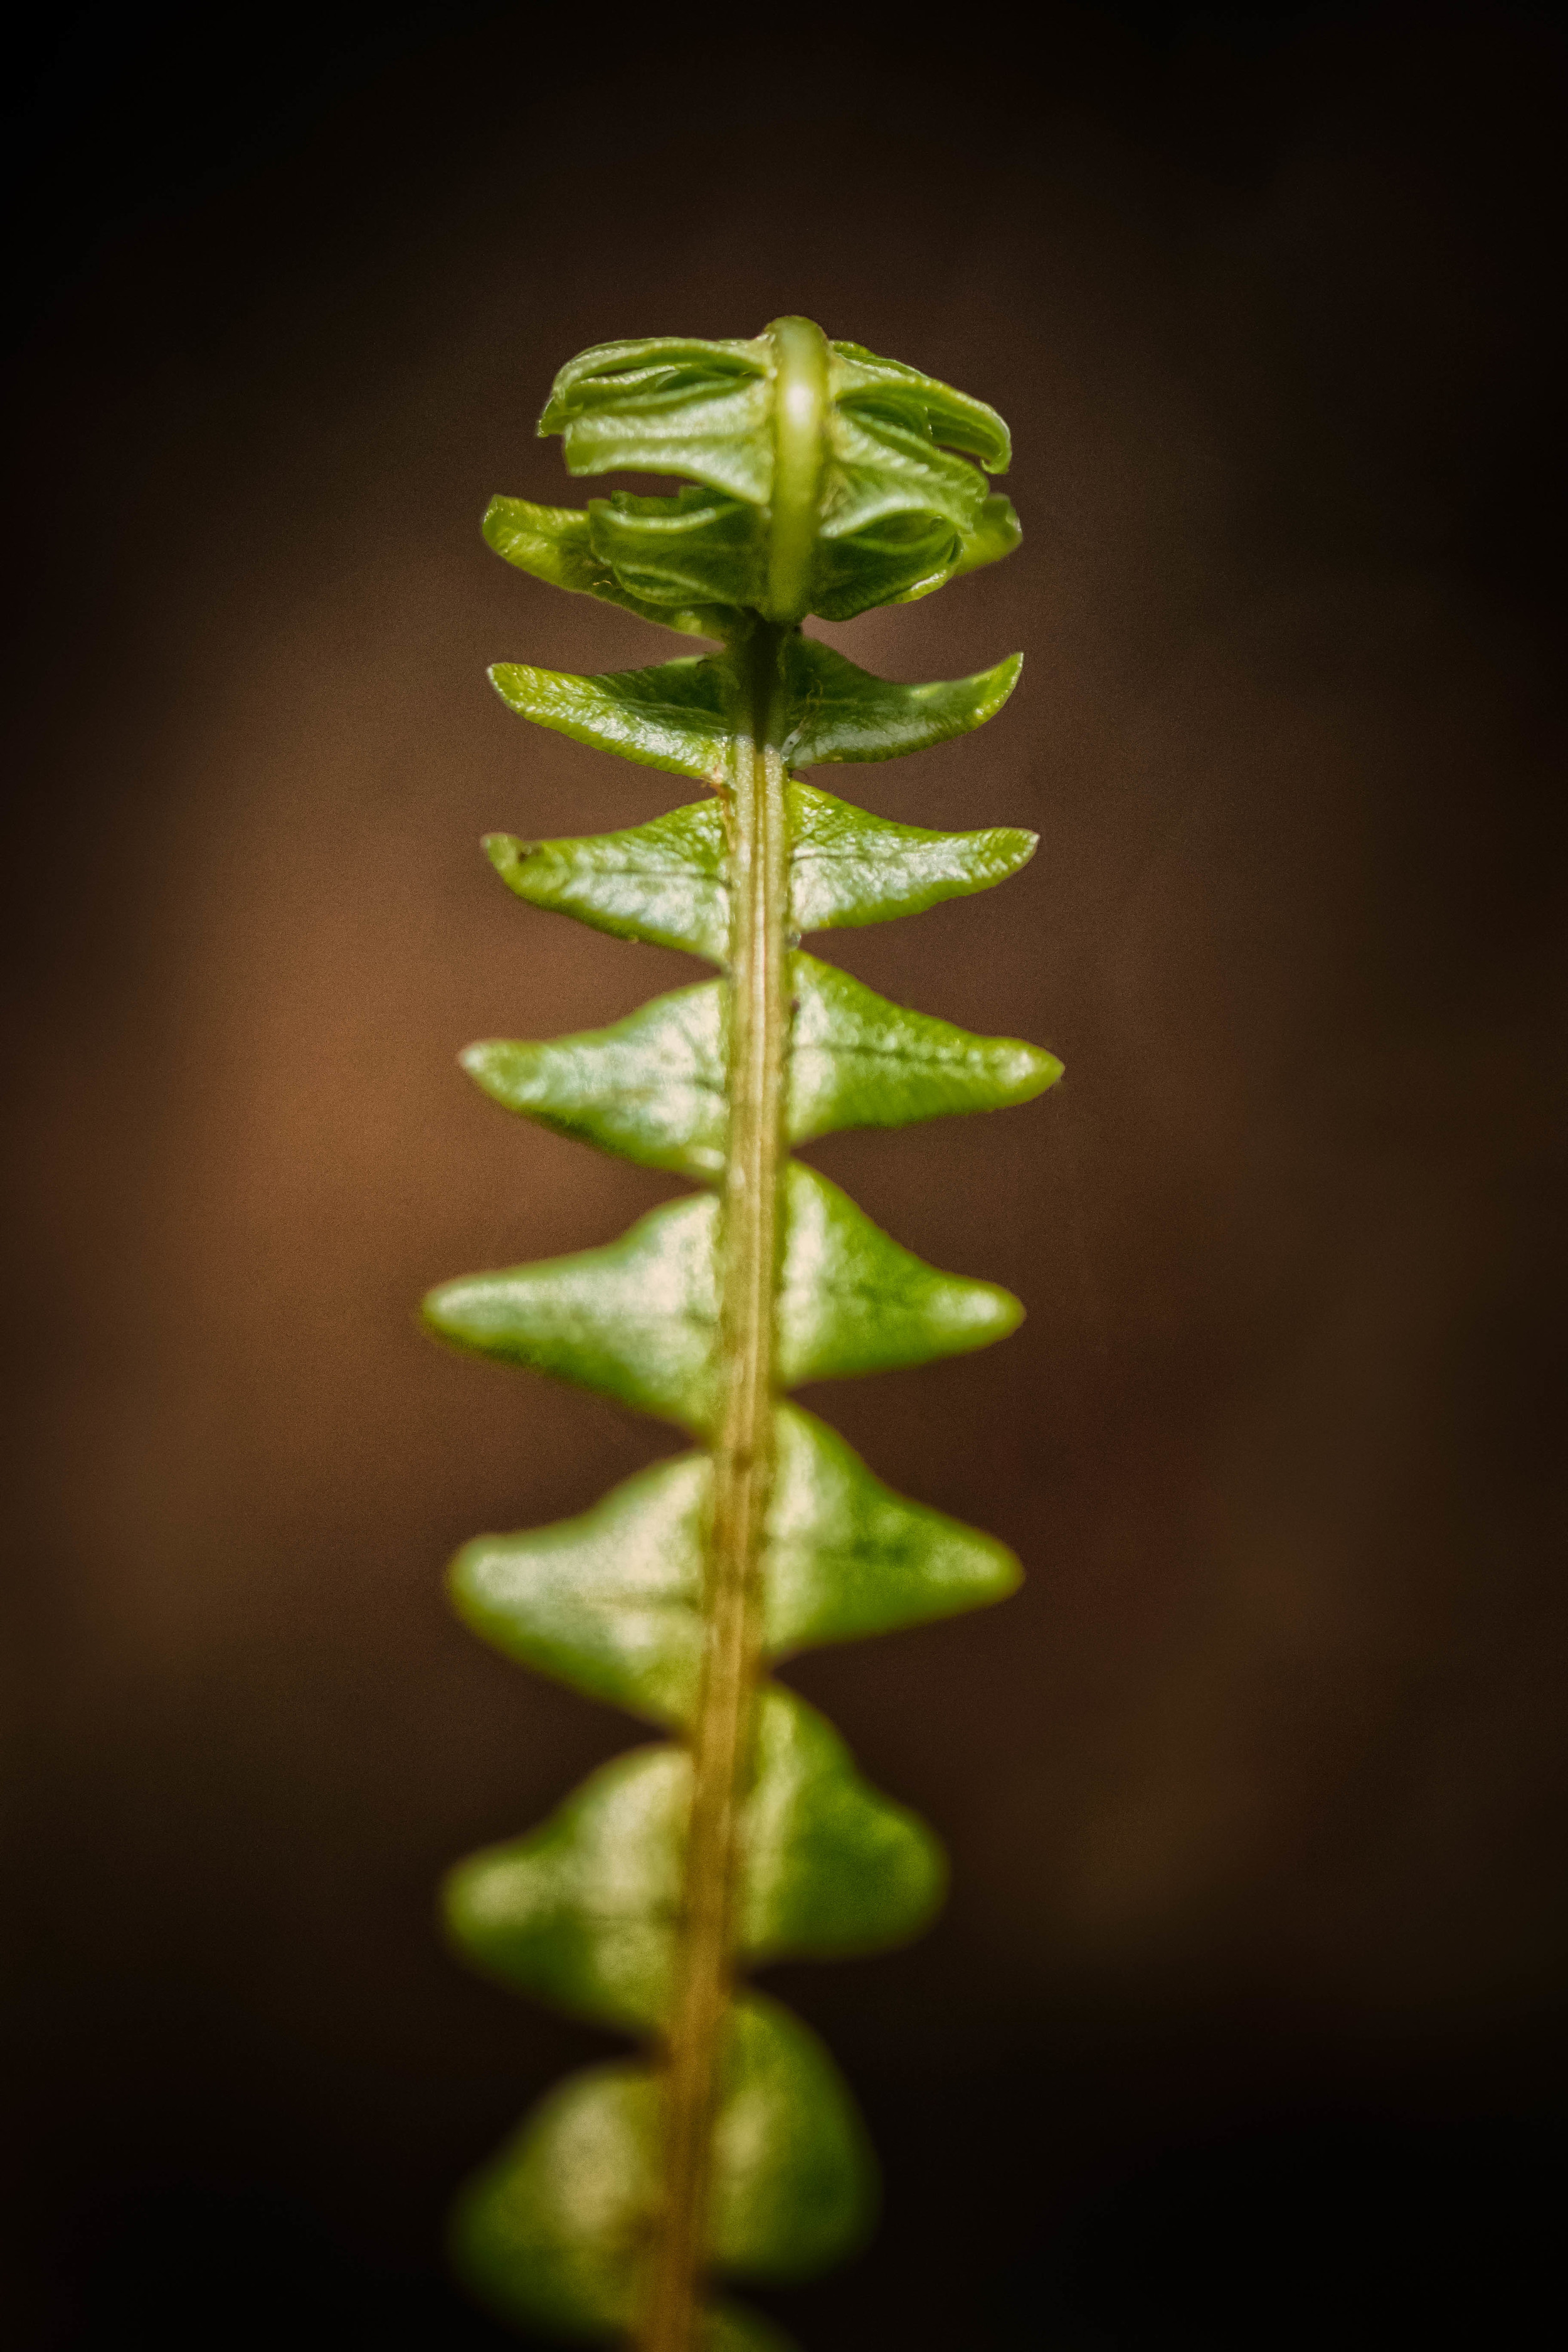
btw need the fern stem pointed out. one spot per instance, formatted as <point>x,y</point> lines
<point>742,1458</point>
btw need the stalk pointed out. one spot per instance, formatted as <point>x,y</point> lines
<point>757,824</point>
<point>742,1463</point>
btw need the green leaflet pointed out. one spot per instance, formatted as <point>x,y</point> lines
<point>555,544</point>
<point>612,1603</point>
<point>697,547</point>
<point>678,716</point>
<point>837,711</point>
<point>639,1321</point>
<point>652,1087</point>
<point>857,1060</point>
<point>690,407</point>
<point>871,384</point>
<point>665,882</point>
<point>553,2234</point>
<point>848,867</point>
<point>583,1912</point>
<point>830,1867</point>
<point>846,1558</point>
<point>815,478</point>
<point>996,532</point>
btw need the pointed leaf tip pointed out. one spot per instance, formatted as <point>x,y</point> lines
<point>840,712</point>
<point>854,1300</point>
<point>850,868</point>
<point>663,882</point>
<point>634,1320</point>
<point>858,1060</point>
<point>675,716</point>
<point>847,1558</point>
<point>650,1087</point>
<point>997,532</point>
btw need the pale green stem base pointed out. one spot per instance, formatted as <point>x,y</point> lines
<point>742,1461</point>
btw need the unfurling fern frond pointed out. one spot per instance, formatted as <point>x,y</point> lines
<point>820,480</point>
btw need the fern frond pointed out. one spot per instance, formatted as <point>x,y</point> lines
<point>817,478</point>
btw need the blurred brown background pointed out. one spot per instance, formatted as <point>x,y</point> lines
<point>1246,2021</point>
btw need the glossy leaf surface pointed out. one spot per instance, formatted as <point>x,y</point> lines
<point>858,1060</point>
<point>847,1557</point>
<point>682,715</point>
<point>837,711</point>
<point>848,867</point>
<point>666,882</point>
<point>639,1321</point>
<point>677,716</point>
<point>652,1088</point>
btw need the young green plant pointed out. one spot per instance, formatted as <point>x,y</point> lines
<point>819,479</point>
